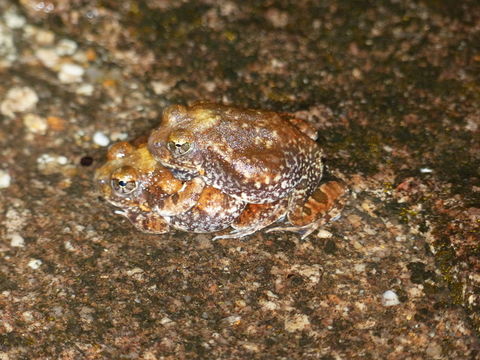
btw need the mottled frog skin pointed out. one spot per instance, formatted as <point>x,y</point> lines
<point>260,157</point>
<point>153,199</point>
<point>255,156</point>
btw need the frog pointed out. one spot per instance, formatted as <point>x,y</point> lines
<point>256,156</point>
<point>154,201</point>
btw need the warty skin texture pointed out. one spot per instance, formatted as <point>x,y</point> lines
<point>253,155</point>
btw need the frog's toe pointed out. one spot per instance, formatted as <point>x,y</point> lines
<point>237,233</point>
<point>304,231</point>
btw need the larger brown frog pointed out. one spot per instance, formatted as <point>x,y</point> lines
<point>256,156</point>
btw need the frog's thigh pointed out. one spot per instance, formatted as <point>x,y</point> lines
<point>181,201</point>
<point>214,211</point>
<point>319,208</point>
<point>256,217</point>
<point>148,222</point>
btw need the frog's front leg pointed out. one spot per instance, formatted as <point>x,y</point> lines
<point>145,221</point>
<point>256,217</point>
<point>324,204</point>
<point>178,202</point>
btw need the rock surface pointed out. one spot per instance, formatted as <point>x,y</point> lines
<point>393,88</point>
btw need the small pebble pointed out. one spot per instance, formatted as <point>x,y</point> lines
<point>101,139</point>
<point>118,136</point>
<point>35,124</point>
<point>426,170</point>
<point>297,322</point>
<point>35,264</point>
<point>390,298</point>
<point>13,19</point>
<point>66,47</point>
<point>70,73</point>
<point>5,179</point>
<point>48,57</point>
<point>68,246</point>
<point>16,240</point>
<point>18,99</point>
<point>8,51</point>
<point>85,90</point>
<point>160,87</point>
<point>324,234</point>
<point>46,159</point>
<point>40,36</point>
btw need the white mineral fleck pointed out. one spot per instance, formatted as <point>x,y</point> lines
<point>13,19</point>
<point>101,139</point>
<point>390,298</point>
<point>16,240</point>
<point>62,160</point>
<point>35,264</point>
<point>5,179</point>
<point>166,320</point>
<point>426,170</point>
<point>297,322</point>
<point>8,52</point>
<point>85,90</point>
<point>40,36</point>
<point>66,47</point>
<point>46,161</point>
<point>35,124</point>
<point>70,73</point>
<point>18,99</point>
<point>160,87</point>
<point>48,57</point>
<point>324,234</point>
<point>68,246</point>
<point>119,136</point>
<point>27,316</point>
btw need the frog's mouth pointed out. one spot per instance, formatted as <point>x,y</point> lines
<point>181,173</point>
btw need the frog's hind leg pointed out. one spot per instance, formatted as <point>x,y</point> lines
<point>256,217</point>
<point>323,205</point>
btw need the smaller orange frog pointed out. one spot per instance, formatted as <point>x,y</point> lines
<point>154,200</point>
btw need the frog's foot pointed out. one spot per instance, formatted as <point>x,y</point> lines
<point>147,222</point>
<point>256,217</point>
<point>323,205</point>
<point>181,201</point>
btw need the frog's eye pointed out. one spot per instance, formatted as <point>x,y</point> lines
<point>123,180</point>
<point>123,187</point>
<point>179,148</point>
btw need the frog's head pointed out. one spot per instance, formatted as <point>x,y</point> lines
<point>120,180</point>
<point>174,142</point>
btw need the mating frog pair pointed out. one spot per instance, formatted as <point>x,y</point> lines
<point>209,167</point>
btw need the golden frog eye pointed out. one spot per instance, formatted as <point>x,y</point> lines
<point>124,180</point>
<point>179,148</point>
